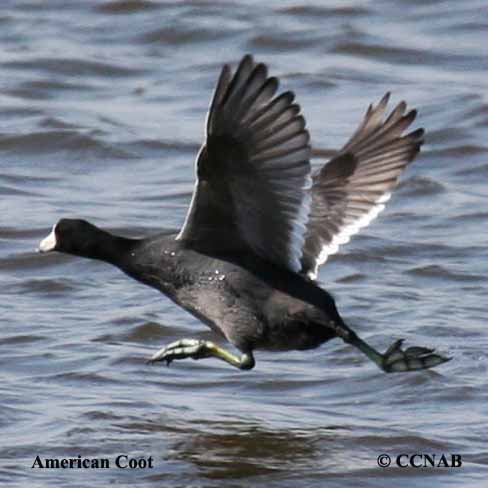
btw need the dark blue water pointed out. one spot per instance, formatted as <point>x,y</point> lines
<point>101,115</point>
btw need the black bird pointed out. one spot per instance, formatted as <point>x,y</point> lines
<point>260,224</point>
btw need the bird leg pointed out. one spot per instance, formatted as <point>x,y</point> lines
<point>395,359</point>
<point>199,349</point>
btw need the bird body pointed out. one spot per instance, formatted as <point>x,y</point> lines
<point>260,224</point>
<point>252,303</point>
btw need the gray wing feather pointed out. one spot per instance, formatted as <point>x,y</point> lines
<point>352,188</point>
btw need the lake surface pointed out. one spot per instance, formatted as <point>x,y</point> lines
<point>102,107</point>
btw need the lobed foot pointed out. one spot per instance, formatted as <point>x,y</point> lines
<point>182,349</point>
<point>396,360</point>
<point>199,349</point>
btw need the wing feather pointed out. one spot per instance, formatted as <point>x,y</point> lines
<point>352,188</point>
<point>253,172</point>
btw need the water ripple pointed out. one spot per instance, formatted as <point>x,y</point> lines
<point>122,7</point>
<point>48,142</point>
<point>73,67</point>
<point>102,113</point>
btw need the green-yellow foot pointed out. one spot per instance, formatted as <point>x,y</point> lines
<point>396,360</point>
<point>199,349</point>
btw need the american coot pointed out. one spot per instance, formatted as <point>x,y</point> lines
<point>260,224</point>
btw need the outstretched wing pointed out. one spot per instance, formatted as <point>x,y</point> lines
<point>351,189</point>
<point>253,172</point>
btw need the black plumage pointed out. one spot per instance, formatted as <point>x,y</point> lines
<point>260,224</point>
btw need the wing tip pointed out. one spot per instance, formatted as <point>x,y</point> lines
<point>247,58</point>
<point>384,100</point>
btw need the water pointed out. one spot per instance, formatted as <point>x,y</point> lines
<point>101,115</point>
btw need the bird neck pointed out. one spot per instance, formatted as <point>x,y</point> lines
<point>104,246</point>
